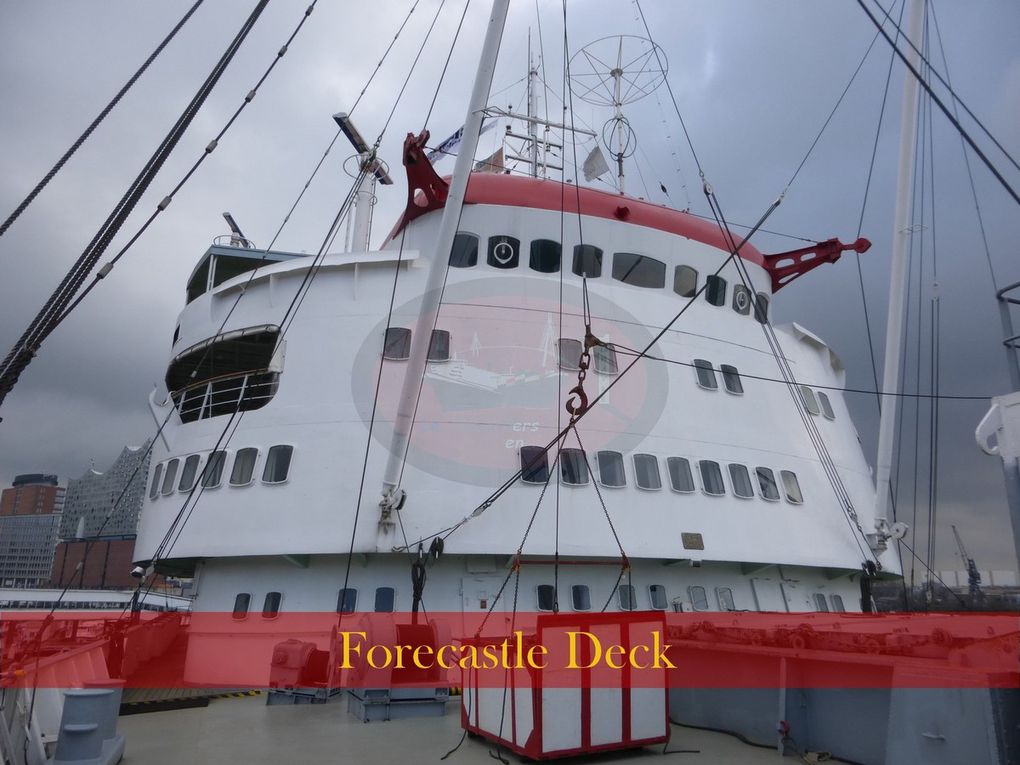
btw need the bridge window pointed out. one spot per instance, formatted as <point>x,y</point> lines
<point>731,379</point>
<point>213,473</point>
<point>627,597</point>
<point>244,466</point>
<point>611,471</point>
<point>573,467</point>
<point>711,478</point>
<point>241,604</point>
<point>587,261</point>
<point>761,307</point>
<point>706,374</point>
<point>580,597</point>
<point>169,476</point>
<point>157,478</point>
<point>439,345</point>
<point>271,605</point>
<point>605,360</point>
<point>810,402</point>
<point>189,473</point>
<point>534,464</point>
<point>397,344</point>
<point>277,464</point>
<point>646,471</point>
<point>546,597</point>
<point>657,597</point>
<point>699,600</point>
<point>741,481</point>
<point>639,270</point>
<point>767,486</point>
<point>680,477</point>
<point>820,603</point>
<point>741,299</point>
<point>384,597</point>
<point>837,604</point>
<point>724,596</point>
<point>792,487</point>
<point>823,399</point>
<point>545,256</point>
<point>504,252</point>
<point>464,253</point>
<point>347,601</point>
<point>685,281</point>
<point>199,281</point>
<point>715,289</point>
<point>569,353</point>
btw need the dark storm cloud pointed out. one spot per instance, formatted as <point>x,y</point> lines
<point>755,81</point>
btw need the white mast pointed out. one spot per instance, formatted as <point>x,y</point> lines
<point>532,112</point>
<point>392,498</point>
<point>902,236</point>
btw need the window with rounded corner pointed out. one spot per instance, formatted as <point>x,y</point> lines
<point>545,256</point>
<point>731,379</point>
<point>711,478</point>
<point>611,471</point>
<point>741,481</point>
<point>699,599</point>
<point>244,466</point>
<point>384,598</point>
<point>587,261</point>
<point>680,477</point>
<point>821,604</point>
<point>657,597</point>
<point>724,597</point>
<point>823,400</point>
<point>439,345</point>
<point>504,252</point>
<point>569,351</point>
<point>761,307</point>
<point>605,360</point>
<point>810,402</point>
<point>573,467</point>
<point>626,597</point>
<point>534,464</point>
<point>646,472</point>
<point>580,597</point>
<point>837,604</point>
<point>464,253</point>
<point>271,605</point>
<point>685,281</point>
<point>767,486</point>
<point>792,487</point>
<point>241,604</point>
<point>546,595</point>
<point>706,374</point>
<point>397,344</point>
<point>157,479</point>
<point>715,289</point>
<point>742,299</point>
<point>212,474</point>
<point>170,476</point>
<point>189,473</point>
<point>346,600</point>
<point>639,270</point>
<point>277,463</point>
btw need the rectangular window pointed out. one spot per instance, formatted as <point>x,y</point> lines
<point>580,597</point>
<point>605,360</point>
<point>627,597</point>
<point>189,473</point>
<point>715,290</point>
<point>546,597</point>
<point>837,604</point>
<point>646,471</point>
<point>347,601</point>
<point>611,471</point>
<point>761,307</point>
<point>767,486</point>
<point>157,478</point>
<point>534,464</point>
<point>731,379</point>
<point>464,253</point>
<point>820,604</point>
<point>741,299</point>
<point>384,597</point>
<point>504,252</point>
<point>587,261</point>
<point>724,596</point>
<point>657,597</point>
<point>277,464</point>
<point>439,345</point>
<point>397,345</point>
<point>170,476</point>
<point>213,472</point>
<point>823,399</point>
<point>639,270</point>
<point>808,397</point>
<point>699,600</point>
<point>685,281</point>
<point>545,256</point>
<point>573,467</point>
<point>706,374</point>
<point>792,487</point>
<point>680,476</point>
<point>741,481</point>
<point>241,604</point>
<point>711,478</point>
<point>244,466</point>
<point>570,353</point>
<point>271,605</point>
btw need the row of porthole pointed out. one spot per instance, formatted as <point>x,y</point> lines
<point>545,256</point>
<point>275,470</point>
<point>574,472</point>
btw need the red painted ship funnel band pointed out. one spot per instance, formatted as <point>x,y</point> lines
<point>647,649</point>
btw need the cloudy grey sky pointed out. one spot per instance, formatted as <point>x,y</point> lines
<point>754,81</point>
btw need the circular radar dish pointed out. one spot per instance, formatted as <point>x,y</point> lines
<point>617,70</point>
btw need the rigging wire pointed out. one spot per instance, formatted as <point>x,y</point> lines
<point>95,123</point>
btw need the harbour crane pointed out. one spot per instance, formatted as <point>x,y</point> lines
<point>973,575</point>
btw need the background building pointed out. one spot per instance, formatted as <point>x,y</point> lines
<point>30,512</point>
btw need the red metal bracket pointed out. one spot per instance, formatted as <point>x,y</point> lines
<point>784,267</point>
<point>426,191</point>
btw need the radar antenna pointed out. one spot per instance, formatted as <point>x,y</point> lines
<point>615,71</point>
